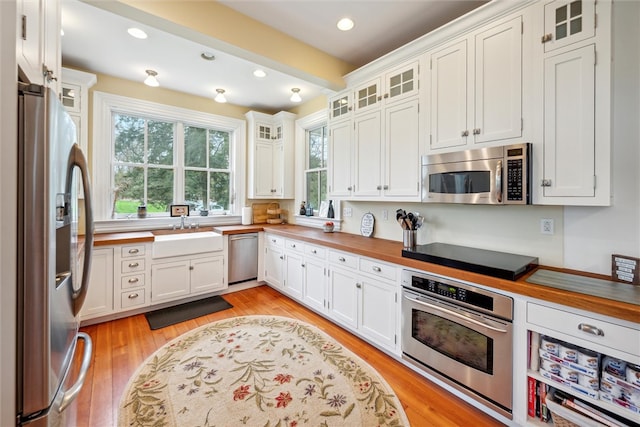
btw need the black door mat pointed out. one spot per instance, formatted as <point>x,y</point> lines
<point>179,313</point>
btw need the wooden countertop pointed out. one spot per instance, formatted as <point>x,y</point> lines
<point>391,251</point>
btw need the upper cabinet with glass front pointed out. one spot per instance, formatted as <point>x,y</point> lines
<point>567,22</point>
<point>394,85</point>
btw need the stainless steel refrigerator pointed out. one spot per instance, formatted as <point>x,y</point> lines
<point>54,261</point>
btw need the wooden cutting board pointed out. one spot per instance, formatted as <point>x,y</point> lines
<point>260,212</point>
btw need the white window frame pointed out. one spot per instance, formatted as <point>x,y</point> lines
<point>304,124</point>
<point>105,104</point>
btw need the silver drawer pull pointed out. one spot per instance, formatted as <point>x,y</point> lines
<point>134,264</point>
<point>132,296</point>
<point>376,269</point>
<point>341,259</point>
<point>133,251</point>
<point>293,245</point>
<point>314,252</point>
<point>584,327</point>
<point>134,280</point>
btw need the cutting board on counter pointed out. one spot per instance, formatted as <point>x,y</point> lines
<point>260,212</point>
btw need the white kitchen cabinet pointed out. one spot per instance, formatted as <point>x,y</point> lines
<point>186,276</point>
<point>270,155</point>
<point>340,165</point>
<point>75,98</point>
<point>567,22</point>
<point>606,336</point>
<point>342,305</point>
<point>38,42</point>
<point>375,154</point>
<point>131,273</point>
<point>99,299</point>
<point>378,311</point>
<point>294,268</point>
<point>340,107</point>
<point>476,87</point>
<point>574,165</point>
<point>315,287</point>
<point>274,261</point>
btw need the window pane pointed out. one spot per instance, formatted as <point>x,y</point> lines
<point>218,149</point>
<point>159,189</point>
<point>129,138</point>
<point>317,149</point>
<point>220,182</point>
<point>323,184</point>
<point>195,150</point>
<point>313,193</point>
<point>129,189</point>
<point>195,189</point>
<point>160,143</point>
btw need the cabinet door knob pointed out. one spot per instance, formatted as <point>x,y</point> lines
<point>133,251</point>
<point>293,245</point>
<point>191,267</point>
<point>590,329</point>
<point>379,187</point>
<point>546,38</point>
<point>385,187</point>
<point>546,183</point>
<point>476,131</point>
<point>341,259</point>
<point>132,296</point>
<point>314,252</point>
<point>358,285</point>
<point>302,265</point>
<point>134,264</point>
<point>134,280</point>
<point>376,269</point>
<point>465,133</point>
<point>281,257</point>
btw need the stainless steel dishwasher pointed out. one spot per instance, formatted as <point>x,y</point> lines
<point>243,257</point>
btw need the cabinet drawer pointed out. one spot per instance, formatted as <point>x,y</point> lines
<point>132,298</point>
<point>135,281</point>
<point>343,259</point>
<point>132,251</point>
<point>315,251</point>
<point>274,241</point>
<point>294,245</point>
<point>378,268</point>
<point>132,265</point>
<point>585,328</point>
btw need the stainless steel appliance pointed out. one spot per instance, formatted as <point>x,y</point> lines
<point>53,267</point>
<point>490,176</point>
<point>460,334</point>
<point>243,257</point>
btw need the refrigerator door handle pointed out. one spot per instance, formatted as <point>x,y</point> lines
<point>70,394</point>
<point>76,158</point>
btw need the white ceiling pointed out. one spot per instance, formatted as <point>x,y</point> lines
<point>96,39</point>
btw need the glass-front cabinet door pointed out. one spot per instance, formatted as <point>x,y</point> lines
<point>368,96</point>
<point>401,82</point>
<point>567,22</point>
<point>340,106</point>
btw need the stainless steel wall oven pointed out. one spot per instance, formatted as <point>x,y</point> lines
<point>461,334</point>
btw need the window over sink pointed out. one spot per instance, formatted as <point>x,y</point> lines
<point>158,155</point>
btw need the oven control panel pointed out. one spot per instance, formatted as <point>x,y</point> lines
<point>449,291</point>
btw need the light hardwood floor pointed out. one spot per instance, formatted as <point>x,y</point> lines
<point>120,346</point>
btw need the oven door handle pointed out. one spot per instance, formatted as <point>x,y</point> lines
<point>453,313</point>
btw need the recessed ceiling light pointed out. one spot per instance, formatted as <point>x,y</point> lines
<point>207,56</point>
<point>259,73</point>
<point>345,24</point>
<point>137,33</point>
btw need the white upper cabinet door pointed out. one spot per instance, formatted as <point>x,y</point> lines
<point>368,155</point>
<point>401,83</point>
<point>402,150</point>
<point>569,115</point>
<point>368,96</point>
<point>498,82</point>
<point>567,22</point>
<point>30,43</point>
<point>449,90</point>
<point>340,106</point>
<point>264,169</point>
<point>340,154</point>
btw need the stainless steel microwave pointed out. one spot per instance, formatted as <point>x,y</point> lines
<point>489,176</point>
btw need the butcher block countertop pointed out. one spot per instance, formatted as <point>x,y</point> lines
<point>391,251</point>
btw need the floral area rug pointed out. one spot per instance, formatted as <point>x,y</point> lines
<point>257,371</point>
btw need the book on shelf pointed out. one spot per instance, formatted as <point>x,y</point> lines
<point>597,414</point>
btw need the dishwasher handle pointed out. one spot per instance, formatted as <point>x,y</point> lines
<point>243,236</point>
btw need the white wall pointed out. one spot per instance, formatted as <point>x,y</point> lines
<point>592,235</point>
<point>8,219</point>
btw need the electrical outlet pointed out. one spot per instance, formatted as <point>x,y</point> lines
<point>346,212</point>
<point>385,214</point>
<point>546,226</point>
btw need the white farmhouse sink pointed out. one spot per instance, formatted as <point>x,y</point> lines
<point>177,244</point>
